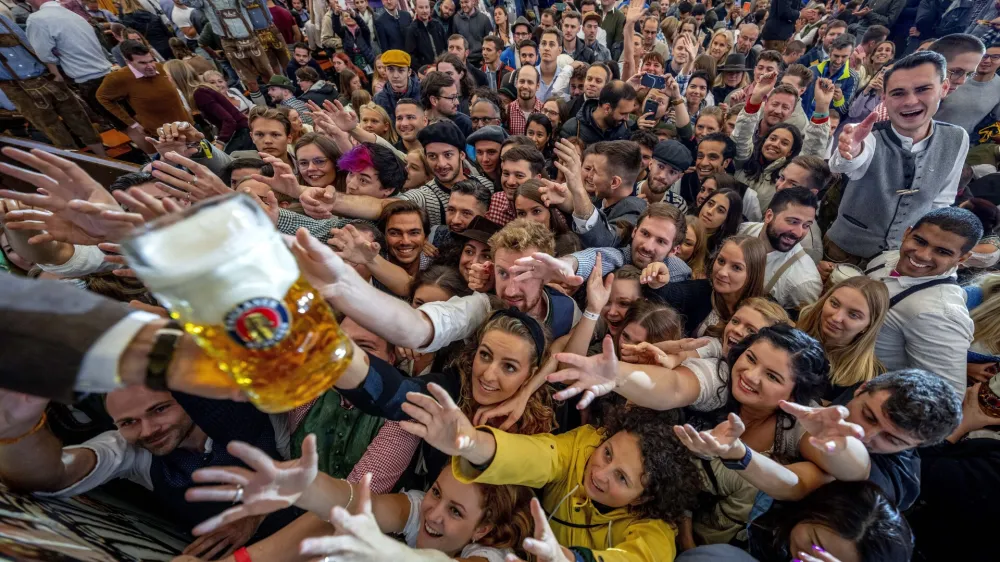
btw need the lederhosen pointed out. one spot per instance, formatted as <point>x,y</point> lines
<point>245,55</point>
<point>42,100</point>
<point>270,37</point>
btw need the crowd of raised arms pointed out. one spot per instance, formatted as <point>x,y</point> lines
<point>625,282</point>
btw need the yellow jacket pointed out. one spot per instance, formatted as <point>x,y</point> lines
<point>556,463</point>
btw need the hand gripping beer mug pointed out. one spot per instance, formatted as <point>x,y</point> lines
<point>225,273</point>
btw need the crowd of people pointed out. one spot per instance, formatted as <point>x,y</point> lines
<point>624,281</point>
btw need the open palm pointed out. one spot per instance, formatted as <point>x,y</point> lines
<point>592,376</point>
<point>267,485</point>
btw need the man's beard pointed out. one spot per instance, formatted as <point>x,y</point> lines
<point>777,241</point>
<point>609,122</point>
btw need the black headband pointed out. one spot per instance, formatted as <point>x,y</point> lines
<point>534,328</point>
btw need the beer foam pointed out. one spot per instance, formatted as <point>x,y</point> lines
<point>219,257</point>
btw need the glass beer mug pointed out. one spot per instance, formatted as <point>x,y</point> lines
<point>225,273</point>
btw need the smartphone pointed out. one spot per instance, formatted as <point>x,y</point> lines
<point>559,6</point>
<point>653,81</point>
<point>651,106</point>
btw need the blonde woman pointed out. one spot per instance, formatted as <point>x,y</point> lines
<point>375,120</point>
<point>721,45</point>
<point>984,306</point>
<point>846,320</point>
<point>215,79</point>
<point>213,106</point>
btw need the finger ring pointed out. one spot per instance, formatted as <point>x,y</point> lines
<point>194,181</point>
<point>239,494</point>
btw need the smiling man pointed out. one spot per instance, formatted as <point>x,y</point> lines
<point>897,170</point>
<point>928,325</point>
<point>518,165</point>
<point>159,441</point>
<point>405,228</point>
<point>789,276</point>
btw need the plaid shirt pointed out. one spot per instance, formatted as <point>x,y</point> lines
<point>501,209</point>
<point>387,456</point>
<point>517,120</point>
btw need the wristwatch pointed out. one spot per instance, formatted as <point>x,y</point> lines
<point>161,355</point>
<point>741,464</point>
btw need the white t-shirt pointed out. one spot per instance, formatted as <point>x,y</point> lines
<point>181,16</point>
<point>713,392</point>
<point>472,550</point>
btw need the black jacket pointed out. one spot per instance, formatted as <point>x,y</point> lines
<point>355,45</point>
<point>325,91</point>
<point>583,126</point>
<point>389,30</point>
<point>425,41</point>
<point>780,24</point>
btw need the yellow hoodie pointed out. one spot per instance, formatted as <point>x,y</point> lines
<point>556,463</point>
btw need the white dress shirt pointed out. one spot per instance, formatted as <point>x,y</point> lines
<point>800,284</point>
<point>930,329</point>
<point>856,169</point>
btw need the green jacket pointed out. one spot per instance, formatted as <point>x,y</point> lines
<point>343,434</point>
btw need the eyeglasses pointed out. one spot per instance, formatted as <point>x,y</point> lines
<point>484,120</point>
<point>995,57</point>
<point>318,162</point>
<point>957,73</point>
<point>452,98</point>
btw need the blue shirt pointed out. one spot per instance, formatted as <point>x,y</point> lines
<point>61,37</point>
<point>24,64</point>
<point>234,28</point>
<point>260,17</point>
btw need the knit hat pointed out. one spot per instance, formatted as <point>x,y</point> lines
<point>494,133</point>
<point>674,154</point>
<point>521,21</point>
<point>444,131</point>
<point>281,82</point>
<point>395,57</point>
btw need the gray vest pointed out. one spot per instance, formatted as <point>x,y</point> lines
<point>877,209</point>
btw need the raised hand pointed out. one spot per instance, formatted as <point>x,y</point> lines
<point>141,204</point>
<point>828,427</point>
<point>343,119</point>
<point>598,289</point>
<point>852,139</point>
<point>671,87</point>
<point>763,86</point>
<point>179,137</point>
<point>634,12</point>
<point>554,194</point>
<point>266,486</point>
<point>112,254</point>
<point>568,162</point>
<point>592,376</point>
<point>357,536</point>
<point>284,180</point>
<point>438,421</point>
<point>200,183</point>
<point>544,545</point>
<point>352,246</point>
<point>547,268</point>
<point>318,202</point>
<point>723,441</point>
<point>481,276</point>
<point>59,183</point>
<point>655,275</point>
<point>645,353</point>
<point>823,94</point>
<point>221,542</point>
<point>268,202</point>
<point>321,266</point>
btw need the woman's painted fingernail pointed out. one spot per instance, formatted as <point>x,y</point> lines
<point>818,548</point>
<point>796,560</point>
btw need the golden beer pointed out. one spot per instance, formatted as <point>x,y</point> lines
<point>223,272</point>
